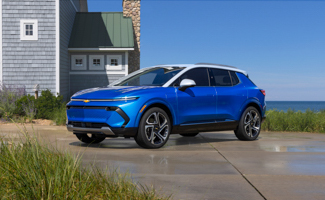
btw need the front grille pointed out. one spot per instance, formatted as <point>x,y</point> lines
<point>88,124</point>
<point>107,108</point>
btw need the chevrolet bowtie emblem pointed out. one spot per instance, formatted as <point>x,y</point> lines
<point>86,101</point>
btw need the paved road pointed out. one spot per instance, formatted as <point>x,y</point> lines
<point>212,165</point>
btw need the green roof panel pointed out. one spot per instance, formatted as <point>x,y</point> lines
<point>101,30</point>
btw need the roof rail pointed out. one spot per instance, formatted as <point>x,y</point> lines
<point>215,65</point>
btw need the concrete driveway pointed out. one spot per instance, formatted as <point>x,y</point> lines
<point>211,165</point>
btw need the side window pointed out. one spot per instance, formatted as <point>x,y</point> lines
<point>199,75</point>
<point>28,29</point>
<point>234,78</point>
<point>220,77</point>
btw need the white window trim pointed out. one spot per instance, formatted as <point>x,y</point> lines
<point>57,46</point>
<point>23,35</point>
<point>126,63</point>
<point>92,67</point>
<point>108,64</point>
<point>73,62</point>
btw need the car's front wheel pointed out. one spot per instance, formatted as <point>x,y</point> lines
<point>249,125</point>
<point>154,129</point>
<point>90,138</point>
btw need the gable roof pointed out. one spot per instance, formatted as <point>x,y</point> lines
<point>101,30</point>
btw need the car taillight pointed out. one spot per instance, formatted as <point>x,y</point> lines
<point>263,92</point>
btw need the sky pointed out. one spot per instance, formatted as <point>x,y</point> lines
<point>281,44</point>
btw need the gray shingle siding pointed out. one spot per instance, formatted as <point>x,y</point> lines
<point>67,15</point>
<point>29,62</point>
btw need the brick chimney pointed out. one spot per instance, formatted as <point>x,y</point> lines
<point>131,8</point>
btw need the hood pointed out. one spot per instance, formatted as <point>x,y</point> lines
<point>109,92</point>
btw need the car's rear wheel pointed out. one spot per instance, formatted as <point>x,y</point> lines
<point>189,134</point>
<point>249,125</point>
<point>154,129</point>
<point>90,138</point>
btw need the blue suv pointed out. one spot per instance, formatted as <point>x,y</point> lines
<point>154,102</point>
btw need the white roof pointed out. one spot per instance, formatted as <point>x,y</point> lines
<point>217,66</point>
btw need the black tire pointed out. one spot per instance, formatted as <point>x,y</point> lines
<point>93,139</point>
<point>153,134</point>
<point>189,134</point>
<point>249,125</point>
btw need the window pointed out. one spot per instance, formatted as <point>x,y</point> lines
<point>220,77</point>
<point>114,62</point>
<point>234,78</point>
<point>198,75</point>
<point>79,62</point>
<point>96,62</point>
<point>29,29</point>
<point>156,76</point>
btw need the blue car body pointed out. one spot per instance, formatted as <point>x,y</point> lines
<point>195,109</point>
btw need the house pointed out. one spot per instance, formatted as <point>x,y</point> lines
<point>61,46</point>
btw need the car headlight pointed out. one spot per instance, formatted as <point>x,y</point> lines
<point>115,99</point>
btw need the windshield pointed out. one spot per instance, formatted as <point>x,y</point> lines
<point>156,76</point>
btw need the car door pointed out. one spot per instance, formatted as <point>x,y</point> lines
<point>196,104</point>
<point>230,94</point>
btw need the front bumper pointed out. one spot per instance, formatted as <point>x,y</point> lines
<point>99,118</point>
<point>104,130</point>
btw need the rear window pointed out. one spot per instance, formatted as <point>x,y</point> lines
<point>220,77</point>
<point>234,78</point>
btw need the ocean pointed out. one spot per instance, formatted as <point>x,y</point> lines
<point>295,105</point>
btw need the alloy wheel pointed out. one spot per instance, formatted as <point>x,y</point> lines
<point>252,123</point>
<point>156,128</point>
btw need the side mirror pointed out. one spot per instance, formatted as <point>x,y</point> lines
<point>186,83</point>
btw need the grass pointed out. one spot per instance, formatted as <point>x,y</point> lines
<point>31,170</point>
<point>309,121</point>
<point>59,115</point>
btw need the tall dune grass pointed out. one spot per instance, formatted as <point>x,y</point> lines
<point>309,121</point>
<point>31,170</point>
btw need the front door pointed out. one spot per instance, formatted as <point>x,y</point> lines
<point>197,105</point>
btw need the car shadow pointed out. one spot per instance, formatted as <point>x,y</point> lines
<point>121,143</point>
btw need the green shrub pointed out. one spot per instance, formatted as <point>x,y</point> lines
<point>30,170</point>
<point>59,115</point>
<point>8,96</point>
<point>309,121</point>
<point>46,104</point>
<point>24,102</point>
